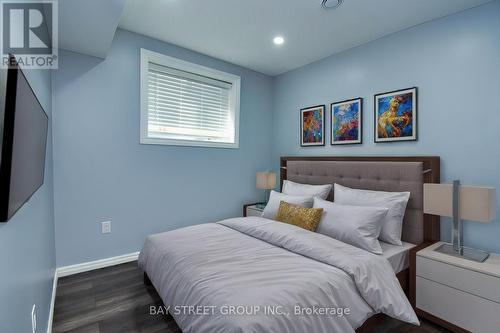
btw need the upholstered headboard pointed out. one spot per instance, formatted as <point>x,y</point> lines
<point>393,174</point>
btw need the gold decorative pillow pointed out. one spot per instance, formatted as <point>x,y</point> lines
<point>306,218</point>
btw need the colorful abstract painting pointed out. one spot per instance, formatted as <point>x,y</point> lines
<point>396,116</point>
<point>312,130</point>
<point>346,122</point>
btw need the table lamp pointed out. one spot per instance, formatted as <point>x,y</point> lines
<point>470,203</point>
<point>266,181</point>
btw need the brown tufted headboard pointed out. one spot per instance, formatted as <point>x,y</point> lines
<point>379,174</point>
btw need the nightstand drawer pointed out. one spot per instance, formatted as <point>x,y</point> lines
<point>470,312</point>
<point>470,281</point>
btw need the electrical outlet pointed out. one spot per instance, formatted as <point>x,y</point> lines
<point>33,318</point>
<point>105,227</point>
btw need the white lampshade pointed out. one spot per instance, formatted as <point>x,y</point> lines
<point>476,203</point>
<point>266,180</point>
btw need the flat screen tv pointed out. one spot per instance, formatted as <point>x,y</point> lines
<point>23,139</point>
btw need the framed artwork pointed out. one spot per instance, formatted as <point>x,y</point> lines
<point>396,116</point>
<point>346,123</point>
<point>312,126</point>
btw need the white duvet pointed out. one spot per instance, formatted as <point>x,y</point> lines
<point>257,275</point>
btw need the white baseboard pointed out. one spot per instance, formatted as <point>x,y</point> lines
<point>52,302</point>
<point>91,265</point>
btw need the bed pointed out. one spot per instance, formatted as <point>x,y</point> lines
<point>255,275</point>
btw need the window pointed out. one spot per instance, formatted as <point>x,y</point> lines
<point>185,104</point>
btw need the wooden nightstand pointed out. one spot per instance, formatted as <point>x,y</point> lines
<point>461,295</point>
<point>252,210</point>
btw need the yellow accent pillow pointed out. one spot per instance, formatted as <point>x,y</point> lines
<point>306,218</point>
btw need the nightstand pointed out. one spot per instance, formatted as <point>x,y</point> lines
<point>459,294</point>
<point>252,210</point>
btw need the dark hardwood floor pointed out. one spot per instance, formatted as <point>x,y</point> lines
<point>115,300</point>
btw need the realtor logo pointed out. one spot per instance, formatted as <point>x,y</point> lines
<point>29,31</point>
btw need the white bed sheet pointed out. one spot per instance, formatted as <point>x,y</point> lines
<point>397,255</point>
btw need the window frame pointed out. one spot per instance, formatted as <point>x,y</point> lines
<point>185,66</point>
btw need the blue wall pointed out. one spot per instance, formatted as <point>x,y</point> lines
<point>454,62</point>
<point>103,173</point>
<point>27,252</point>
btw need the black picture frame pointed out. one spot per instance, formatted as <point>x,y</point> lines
<point>377,138</point>
<point>360,123</point>
<point>301,119</point>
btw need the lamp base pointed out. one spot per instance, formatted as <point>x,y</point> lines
<point>467,253</point>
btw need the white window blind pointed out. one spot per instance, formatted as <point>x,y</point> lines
<point>187,104</point>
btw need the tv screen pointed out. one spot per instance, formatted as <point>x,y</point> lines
<point>23,135</point>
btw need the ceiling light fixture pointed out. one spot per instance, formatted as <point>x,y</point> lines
<point>331,4</point>
<point>278,40</point>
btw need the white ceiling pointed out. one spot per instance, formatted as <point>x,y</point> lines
<point>241,32</point>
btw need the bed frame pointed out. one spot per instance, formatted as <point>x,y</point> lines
<point>382,173</point>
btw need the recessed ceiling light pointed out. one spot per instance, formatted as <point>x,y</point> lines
<point>330,4</point>
<point>278,40</point>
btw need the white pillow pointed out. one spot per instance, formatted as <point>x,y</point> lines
<point>356,225</point>
<point>274,203</point>
<point>320,191</point>
<point>394,201</point>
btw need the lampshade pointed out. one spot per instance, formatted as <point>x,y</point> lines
<point>266,180</point>
<point>476,203</point>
